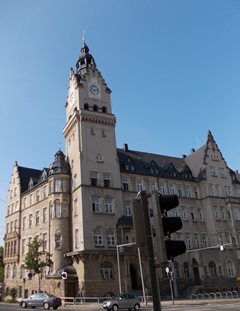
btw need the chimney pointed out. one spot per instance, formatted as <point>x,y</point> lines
<point>125,147</point>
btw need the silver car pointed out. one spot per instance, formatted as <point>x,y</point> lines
<point>122,301</point>
<point>44,300</point>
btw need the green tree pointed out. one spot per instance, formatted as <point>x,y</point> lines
<point>37,258</point>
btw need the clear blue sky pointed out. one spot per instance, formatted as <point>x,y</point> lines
<point>173,67</point>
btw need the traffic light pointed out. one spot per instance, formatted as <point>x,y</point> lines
<point>140,208</point>
<point>166,248</point>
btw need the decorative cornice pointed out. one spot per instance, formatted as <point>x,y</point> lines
<point>98,119</point>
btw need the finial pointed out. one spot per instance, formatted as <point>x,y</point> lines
<point>59,145</point>
<point>84,37</point>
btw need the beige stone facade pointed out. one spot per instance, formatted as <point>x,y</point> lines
<point>81,206</point>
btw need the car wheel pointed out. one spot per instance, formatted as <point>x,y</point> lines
<point>115,307</point>
<point>24,304</point>
<point>55,308</point>
<point>136,307</point>
<point>46,306</point>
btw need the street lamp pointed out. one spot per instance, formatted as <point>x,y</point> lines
<point>140,265</point>
<point>170,276</point>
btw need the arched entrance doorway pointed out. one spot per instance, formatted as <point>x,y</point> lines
<point>196,274</point>
<point>133,274</point>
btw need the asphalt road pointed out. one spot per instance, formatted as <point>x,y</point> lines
<point>201,306</point>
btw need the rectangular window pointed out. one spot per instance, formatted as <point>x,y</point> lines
<point>213,171</point>
<point>180,191</point>
<point>139,185</point>
<point>98,239</point>
<point>45,214</point>
<point>192,215</point>
<point>125,183</point>
<point>24,223</point>
<point>188,192</point>
<point>94,179</point>
<point>58,185</point>
<point>211,191</point>
<point>196,240</point>
<point>161,188</point>
<point>127,208</point>
<point>58,239</point>
<point>30,219</point>
<point>200,215</point>
<point>95,205</point>
<point>222,172</point>
<point>111,240</point>
<point>23,246</point>
<point>184,213</point>
<point>108,205</point>
<point>37,218</point>
<point>153,186</point>
<point>106,180</point>
<point>188,241</point>
<point>204,242</point>
<point>44,241</point>
<point>45,192</point>
<point>171,189</point>
<point>217,190</point>
<point>38,196</point>
<point>31,199</point>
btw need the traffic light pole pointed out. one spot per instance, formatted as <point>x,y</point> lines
<point>142,196</point>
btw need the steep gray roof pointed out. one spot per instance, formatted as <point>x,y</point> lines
<point>143,163</point>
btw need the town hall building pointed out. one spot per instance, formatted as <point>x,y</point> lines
<point>80,206</point>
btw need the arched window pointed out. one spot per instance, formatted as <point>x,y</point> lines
<point>95,108</point>
<point>86,106</point>
<point>22,272</point>
<point>104,109</point>
<point>77,239</point>
<point>58,239</point>
<point>186,270</point>
<point>176,269</point>
<point>57,209</point>
<point>65,211</point>
<point>8,272</point>
<point>230,269</point>
<point>106,270</point>
<point>14,274</point>
<point>212,269</point>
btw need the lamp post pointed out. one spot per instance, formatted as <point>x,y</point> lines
<point>170,276</point>
<point>119,269</point>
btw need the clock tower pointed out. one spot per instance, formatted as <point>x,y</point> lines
<point>95,189</point>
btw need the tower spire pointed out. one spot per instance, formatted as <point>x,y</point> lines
<point>85,59</point>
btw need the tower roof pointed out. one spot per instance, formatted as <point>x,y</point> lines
<point>85,59</point>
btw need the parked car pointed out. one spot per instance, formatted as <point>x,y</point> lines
<point>122,301</point>
<point>44,300</point>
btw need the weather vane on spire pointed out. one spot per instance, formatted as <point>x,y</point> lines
<point>84,37</point>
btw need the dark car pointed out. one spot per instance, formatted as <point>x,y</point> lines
<point>44,300</point>
<point>123,301</point>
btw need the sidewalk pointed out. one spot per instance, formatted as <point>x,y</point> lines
<point>98,306</point>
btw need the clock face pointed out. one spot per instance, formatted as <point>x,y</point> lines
<point>94,89</point>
